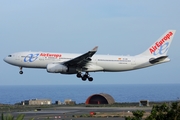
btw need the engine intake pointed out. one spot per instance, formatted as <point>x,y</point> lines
<point>56,68</point>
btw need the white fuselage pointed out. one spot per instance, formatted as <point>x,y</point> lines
<point>110,63</point>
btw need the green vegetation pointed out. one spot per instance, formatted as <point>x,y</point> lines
<point>162,112</point>
<point>10,117</point>
<point>137,115</point>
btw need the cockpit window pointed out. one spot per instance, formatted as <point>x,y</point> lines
<point>9,55</point>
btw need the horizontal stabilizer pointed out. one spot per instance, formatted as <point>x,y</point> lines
<point>156,60</point>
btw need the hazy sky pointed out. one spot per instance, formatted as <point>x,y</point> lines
<point>120,27</point>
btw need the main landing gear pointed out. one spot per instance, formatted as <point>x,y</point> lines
<point>20,72</point>
<point>85,76</point>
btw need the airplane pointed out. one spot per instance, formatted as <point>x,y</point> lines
<point>82,64</point>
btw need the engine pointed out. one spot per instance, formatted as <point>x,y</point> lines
<point>56,68</point>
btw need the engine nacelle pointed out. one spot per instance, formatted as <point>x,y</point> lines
<point>56,68</point>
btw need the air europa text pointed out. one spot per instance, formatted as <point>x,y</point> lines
<point>50,55</point>
<point>159,43</point>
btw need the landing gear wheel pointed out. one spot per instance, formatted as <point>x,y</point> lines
<point>79,75</point>
<point>20,72</point>
<point>84,78</point>
<point>90,79</point>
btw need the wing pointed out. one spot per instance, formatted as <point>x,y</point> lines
<point>81,60</point>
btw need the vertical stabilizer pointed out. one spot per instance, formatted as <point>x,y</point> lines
<point>161,46</point>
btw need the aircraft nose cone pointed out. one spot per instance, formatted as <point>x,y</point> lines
<point>5,59</point>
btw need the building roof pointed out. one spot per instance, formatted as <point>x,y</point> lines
<point>101,98</point>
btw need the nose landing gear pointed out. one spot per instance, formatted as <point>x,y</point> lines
<point>20,72</point>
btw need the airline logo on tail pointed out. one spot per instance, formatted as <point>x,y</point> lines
<point>162,45</point>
